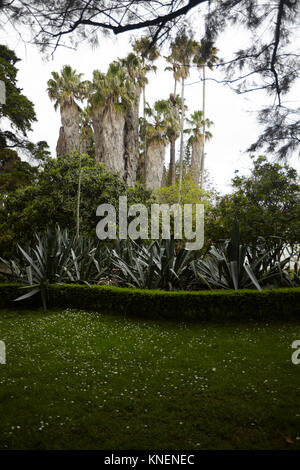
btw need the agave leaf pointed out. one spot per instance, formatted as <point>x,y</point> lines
<point>234,274</point>
<point>29,274</point>
<point>30,260</point>
<point>252,276</point>
<point>29,294</point>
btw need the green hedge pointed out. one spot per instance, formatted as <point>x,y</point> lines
<point>281,304</point>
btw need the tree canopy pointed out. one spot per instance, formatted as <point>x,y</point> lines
<point>50,197</point>
<point>18,109</point>
<point>269,61</point>
<point>266,203</point>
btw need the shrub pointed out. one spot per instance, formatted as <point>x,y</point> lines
<point>218,305</point>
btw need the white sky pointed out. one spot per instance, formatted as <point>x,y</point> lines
<point>235,126</point>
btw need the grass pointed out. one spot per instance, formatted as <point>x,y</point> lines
<point>77,380</point>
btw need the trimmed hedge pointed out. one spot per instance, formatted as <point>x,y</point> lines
<point>281,304</point>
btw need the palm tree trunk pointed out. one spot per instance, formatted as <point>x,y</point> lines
<point>203,130</point>
<point>156,159</point>
<point>145,138</point>
<point>61,148</point>
<point>131,140</point>
<point>197,152</point>
<point>109,139</point>
<point>70,122</point>
<point>181,138</point>
<point>173,148</point>
<point>172,162</point>
<point>97,114</point>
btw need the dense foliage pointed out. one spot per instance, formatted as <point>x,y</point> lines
<point>57,257</point>
<point>65,192</point>
<point>17,114</point>
<point>266,203</point>
<point>52,199</point>
<point>266,61</point>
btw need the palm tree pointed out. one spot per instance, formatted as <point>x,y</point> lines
<point>196,141</point>
<point>205,57</point>
<point>183,50</point>
<point>155,130</point>
<point>137,75</point>
<point>173,123</point>
<point>148,53</point>
<point>65,90</point>
<point>109,95</point>
<point>175,69</point>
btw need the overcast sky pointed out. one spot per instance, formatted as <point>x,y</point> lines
<point>235,126</point>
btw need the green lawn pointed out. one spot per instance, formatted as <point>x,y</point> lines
<point>76,380</point>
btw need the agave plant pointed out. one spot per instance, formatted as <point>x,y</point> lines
<point>45,263</point>
<point>171,264</point>
<point>87,262</point>
<point>158,265</point>
<point>294,275</point>
<point>134,270</point>
<point>233,265</point>
<point>55,258</point>
<point>283,267</point>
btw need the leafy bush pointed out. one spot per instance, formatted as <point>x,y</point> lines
<point>218,305</point>
<point>52,200</point>
<point>266,203</point>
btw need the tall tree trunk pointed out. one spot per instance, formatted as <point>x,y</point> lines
<point>131,140</point>
<point>181,138</point>
<point>61,148</point>
<point>97,116</point>
<point>172,168</point>
<point>172,162</point>
<point>164,177</point>
<point>145,138</point>
<point>197,151</point>
<point>156,159</point>
<point>109,139</point>
<point>71,129</point>
<point>203,131</point>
